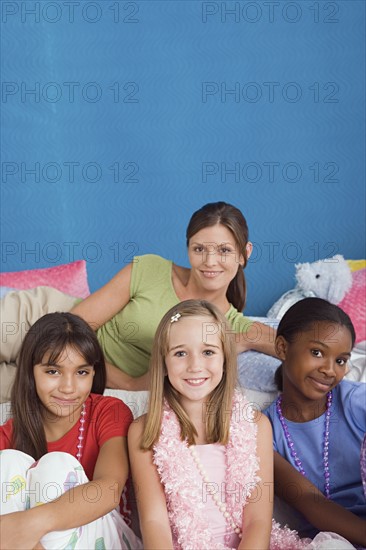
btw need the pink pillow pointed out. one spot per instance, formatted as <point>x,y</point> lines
<point>354,303</point>
<point>69,278</point>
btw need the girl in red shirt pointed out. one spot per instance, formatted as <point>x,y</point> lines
<point>62,434</point>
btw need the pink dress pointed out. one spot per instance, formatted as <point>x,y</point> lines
<point>195,520</point>
<point>212,458</point>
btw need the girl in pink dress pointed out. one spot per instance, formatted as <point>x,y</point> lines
<point>201,459</point>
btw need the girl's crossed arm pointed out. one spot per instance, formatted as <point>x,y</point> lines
<point>257,520</point>
<point>21,530</point>
<point>149,492</point>
<point>322,513</point>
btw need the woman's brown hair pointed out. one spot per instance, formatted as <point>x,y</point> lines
<point>219,402</point>
<point>49,336</point>
<point>225,214</point>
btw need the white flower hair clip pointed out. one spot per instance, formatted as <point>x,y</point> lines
<point>175,317</point>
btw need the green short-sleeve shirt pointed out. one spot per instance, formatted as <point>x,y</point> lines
<point>128,337</point>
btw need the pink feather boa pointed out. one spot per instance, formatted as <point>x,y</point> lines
<point>183,491</point>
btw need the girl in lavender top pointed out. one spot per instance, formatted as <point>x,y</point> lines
<point>318,421</point>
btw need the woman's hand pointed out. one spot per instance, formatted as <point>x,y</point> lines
<point>119,380</point>
<point>259,337</point>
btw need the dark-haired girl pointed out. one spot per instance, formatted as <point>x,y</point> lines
<point>62,434</point>
<point>319,421</point>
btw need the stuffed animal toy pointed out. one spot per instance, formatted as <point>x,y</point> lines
<point>332,280</point>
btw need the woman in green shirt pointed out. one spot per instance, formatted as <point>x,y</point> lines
<point>126,311</point>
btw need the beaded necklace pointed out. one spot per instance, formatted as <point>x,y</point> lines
<point>291,445</point>
<point>183,491</point>
<point>221,506</point>
<point>80,445</point>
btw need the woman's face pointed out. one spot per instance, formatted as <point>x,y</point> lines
<point>214,257</point>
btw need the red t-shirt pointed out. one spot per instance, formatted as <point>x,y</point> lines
<point>106,417</point>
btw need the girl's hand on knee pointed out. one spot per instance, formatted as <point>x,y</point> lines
<point>19,531</point>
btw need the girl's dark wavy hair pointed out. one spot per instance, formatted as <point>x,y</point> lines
<point>50,336</point>
<point>301,316</point>
<point>231,217</point>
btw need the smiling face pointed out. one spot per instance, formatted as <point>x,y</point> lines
<point>195,358</point>
<point>214,257</point>
<point>315,362</point>
<point>64,385</point>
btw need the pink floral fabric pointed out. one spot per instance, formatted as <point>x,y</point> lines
<point>69,278</point>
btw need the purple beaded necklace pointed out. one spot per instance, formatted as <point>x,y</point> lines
<point>291,445</point>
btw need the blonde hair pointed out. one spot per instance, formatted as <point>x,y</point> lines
<point>219,403</point>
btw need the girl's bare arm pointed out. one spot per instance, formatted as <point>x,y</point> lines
<point>321,512</point>
<point>21,530</point>
<point>257,515</point>
<point>150,497</point>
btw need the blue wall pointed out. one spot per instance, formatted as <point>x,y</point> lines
<point>143,111</point>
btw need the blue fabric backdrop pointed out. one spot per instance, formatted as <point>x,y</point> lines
<point>122,118</point>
